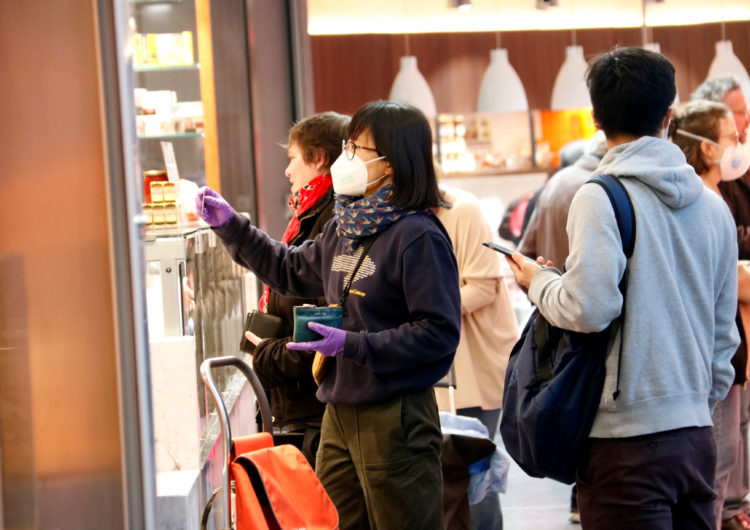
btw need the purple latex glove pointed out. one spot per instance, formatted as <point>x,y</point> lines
<point>212,207</point>
<point>330,345</point>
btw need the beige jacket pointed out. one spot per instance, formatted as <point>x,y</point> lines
<point>488,324</point>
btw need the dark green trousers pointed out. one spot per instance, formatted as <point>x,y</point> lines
<point>380,464</point>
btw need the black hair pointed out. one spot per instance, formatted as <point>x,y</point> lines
<point>403,136</point>
<point>631,91</point>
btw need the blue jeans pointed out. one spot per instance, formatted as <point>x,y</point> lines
<point>486,514</point>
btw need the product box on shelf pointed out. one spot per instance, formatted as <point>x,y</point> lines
<point>163,49</point>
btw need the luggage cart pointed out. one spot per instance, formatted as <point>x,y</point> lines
<point>275,485</point>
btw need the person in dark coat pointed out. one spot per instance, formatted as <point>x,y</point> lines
<point>314,143</point>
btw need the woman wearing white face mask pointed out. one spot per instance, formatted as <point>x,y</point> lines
<point>707,134</point>
<point>379,454</point>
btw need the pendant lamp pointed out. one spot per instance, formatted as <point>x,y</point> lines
<point>646,34</point>
<point>501,89</point>
<point>648,44</point>
<point>411,87</point>
<point>570,90</point>
<point>726,63</point>
<point>464,6</point>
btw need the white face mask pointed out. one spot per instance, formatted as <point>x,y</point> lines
<point>350,176</point>
<point>734,162</point>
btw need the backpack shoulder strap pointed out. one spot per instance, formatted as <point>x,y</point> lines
<point>625,216</point>
<point>623,208</point>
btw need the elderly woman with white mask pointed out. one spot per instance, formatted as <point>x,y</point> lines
<point>707,134</point>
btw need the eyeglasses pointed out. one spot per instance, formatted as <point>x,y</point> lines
<point>735,136</point>
<point>350,148</point>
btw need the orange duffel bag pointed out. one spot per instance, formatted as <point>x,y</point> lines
<point>274,485</point>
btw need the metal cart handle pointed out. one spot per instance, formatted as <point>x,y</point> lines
<point>260,394</point>
<point>221,410</point>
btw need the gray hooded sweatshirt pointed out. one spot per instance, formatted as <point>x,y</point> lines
<point>679,333</point>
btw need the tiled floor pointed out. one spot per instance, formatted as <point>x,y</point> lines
<point>535,504</point>
<point>532,503</point>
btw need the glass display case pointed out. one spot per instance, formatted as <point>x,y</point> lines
<point>196,298</point>
<point>191,88</point>
<point>195,289</point>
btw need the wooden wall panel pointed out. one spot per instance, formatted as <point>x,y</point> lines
<point>353,69</point>
<point>349,70</point>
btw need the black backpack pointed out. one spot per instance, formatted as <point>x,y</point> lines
<point>555,377</point>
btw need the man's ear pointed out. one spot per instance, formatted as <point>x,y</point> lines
<point>667,119</point>
<point>596,123</point>
<point>320,161</point>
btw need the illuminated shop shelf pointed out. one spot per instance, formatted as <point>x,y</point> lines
<point>171,136</point>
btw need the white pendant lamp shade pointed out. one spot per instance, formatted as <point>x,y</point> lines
<point>726,62</point>
<point>501,89</point>
<point>411,87</point>
<point>570,90</point>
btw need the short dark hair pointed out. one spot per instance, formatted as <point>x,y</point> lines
<point>631,91</point>
<point>403,136</point>
<point>700,117</point>
<point>716,88</point>
<point>319,132</point>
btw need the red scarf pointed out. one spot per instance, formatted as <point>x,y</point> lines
<point>300,201</point>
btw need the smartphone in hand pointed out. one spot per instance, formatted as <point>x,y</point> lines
<point>505,250</point>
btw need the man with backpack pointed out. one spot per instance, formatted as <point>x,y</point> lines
<point>650,458</point>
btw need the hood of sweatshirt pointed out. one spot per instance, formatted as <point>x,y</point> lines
<point>659,164</point>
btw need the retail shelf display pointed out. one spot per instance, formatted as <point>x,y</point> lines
<point>501,143</point>
<point>174,89</point>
